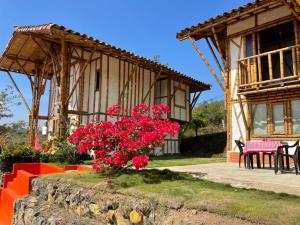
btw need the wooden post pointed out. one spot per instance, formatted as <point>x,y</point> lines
<point>254,62</point>
<point>270,67</point>
<point>259,59</point>
<point>63,114</point>
<point>281,64</point>
<point>296,58</point>
<point>34,107</point>
<point>294,61</point>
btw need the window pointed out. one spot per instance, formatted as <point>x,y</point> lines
<point>180,97</point>
<point>97,85</point>
<point>278,118</point>
<point>274,38</point>
<point>283,119</point>
<point>260,123</point>
<point>249,45</point>
<point>295,116</point>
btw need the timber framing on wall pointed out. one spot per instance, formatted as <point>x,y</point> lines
<point>71,63</point>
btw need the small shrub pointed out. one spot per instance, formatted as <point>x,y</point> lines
<point>55,150</point>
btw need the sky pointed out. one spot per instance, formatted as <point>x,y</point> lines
<point>147,28</point>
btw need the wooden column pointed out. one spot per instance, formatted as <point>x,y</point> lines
<point>63,90</point>
<point>37,90</point>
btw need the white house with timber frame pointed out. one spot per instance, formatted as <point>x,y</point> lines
<point>256,48</point>
<point>87,76</point>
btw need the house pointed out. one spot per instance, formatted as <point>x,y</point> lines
<point>87,76</point>
<point>257,52</point>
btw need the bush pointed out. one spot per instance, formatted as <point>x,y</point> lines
<point>129,141</point>
<point>59,151</point>
<point>17,153</point>
<point>204,145</point>
<point>65,152</point>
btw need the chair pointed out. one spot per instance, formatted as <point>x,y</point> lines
<point>241,146</point>
<point>285,154</point>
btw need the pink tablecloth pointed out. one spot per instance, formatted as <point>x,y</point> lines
<point>261,146</point>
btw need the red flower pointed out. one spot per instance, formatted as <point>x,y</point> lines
<point>128,139</point>
<point>114,110</point>
<point>140,161</point>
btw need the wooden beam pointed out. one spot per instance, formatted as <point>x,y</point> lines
<point>43,117</point>
<point>207,63</point>
<point>291,8</point>
<point>243,113</point>
<point>195,99</point>
<point>80,76</point>
<point>40,47</point>
<point>151,86</point>
<point>23,70</point>
<point>63,115</point>
<point>18,90</point>
<point>128,81</point>
<point>215,57</point>
<point>218,46</point>
<point>13,57</point>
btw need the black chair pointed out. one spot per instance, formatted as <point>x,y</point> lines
<point>248,161</point>
<point>283,153</point>
<point>241,146</point>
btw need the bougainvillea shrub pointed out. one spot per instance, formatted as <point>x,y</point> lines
<point>128,141</point>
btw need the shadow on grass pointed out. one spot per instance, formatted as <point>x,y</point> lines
<point>131,178</point>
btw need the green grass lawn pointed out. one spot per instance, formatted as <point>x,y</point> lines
<point>168,160</point>
<point>259,206</point>
<point>179,160</point>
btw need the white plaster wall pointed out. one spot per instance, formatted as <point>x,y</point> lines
<point>238,129</point>
<point>113,81</point>
<point>262,18</point>
<point>241,25</point>
<point>273,14</point>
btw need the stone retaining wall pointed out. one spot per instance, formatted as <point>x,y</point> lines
<point>56,201</point>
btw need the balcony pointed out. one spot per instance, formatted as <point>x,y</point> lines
<point>269,71</point>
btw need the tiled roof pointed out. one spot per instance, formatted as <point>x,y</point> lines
<point>183,33</point>
<point>51,26</point>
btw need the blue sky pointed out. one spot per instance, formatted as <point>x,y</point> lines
<point>146,28</point>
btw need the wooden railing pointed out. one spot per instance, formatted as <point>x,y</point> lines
<point>270,69</point>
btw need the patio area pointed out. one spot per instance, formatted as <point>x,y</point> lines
<point>230,173</point>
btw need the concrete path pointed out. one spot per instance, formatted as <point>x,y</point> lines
<point>229,173</point>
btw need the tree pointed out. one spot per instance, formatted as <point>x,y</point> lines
<point>209,115</point>
<point>214,112</point>
<point>198,121</point>
<point>7,99</point>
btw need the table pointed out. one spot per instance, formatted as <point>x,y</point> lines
<point>257,146</point>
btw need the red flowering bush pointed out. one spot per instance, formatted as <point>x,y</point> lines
<point>127,142</point>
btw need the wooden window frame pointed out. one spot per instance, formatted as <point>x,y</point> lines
<point>183,90</point>
<point>291,117</point>
<point>98,81</point>
<point>288,123</point>
<point>252,120</point>
<point>272,124</point>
